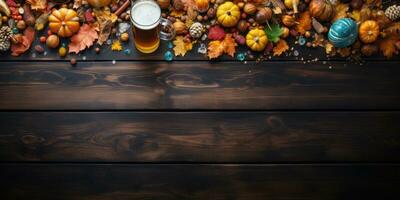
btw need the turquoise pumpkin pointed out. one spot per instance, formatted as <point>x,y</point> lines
<point>343,32</point>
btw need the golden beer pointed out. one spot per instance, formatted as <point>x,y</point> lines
<point>147,25</point>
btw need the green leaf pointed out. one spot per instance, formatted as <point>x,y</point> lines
<point>273,32</point>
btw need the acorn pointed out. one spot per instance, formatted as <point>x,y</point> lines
<point>285,32</point>
<point>124,37</point>
<point>211,13</point>
<point>263,15</point>
<point>242,26</point>
<point>21,25</point>
<point>53,41</point>
<point>178,5</point>
<point>249,8</point>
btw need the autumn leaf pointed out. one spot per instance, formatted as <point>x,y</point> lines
<point>83,39</point>
<point>216,48</point>
<point>274,31</point>
<point>37,4</point>
<point>392,29</point>
<point>356,15</point>
<point>329,49</point>
<point>280,47</point>
<point>181,47</point>
<point>344,52</point>
<point>387,45</point>
<point>304,23</point>
<point>176,13</point>
<point>340,11</point>
<point>116,46</point>
<point>216,33</point>
<point>229,45</point>
<point>27,39</point>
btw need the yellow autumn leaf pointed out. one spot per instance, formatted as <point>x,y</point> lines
<point>181,47</point>
<point>329,48</point>
<point>356,15</point>
<point>280,47</point>
<point>116,46</point>
<point>215,49</point>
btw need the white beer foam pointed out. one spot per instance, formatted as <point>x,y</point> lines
<point>145,14</point>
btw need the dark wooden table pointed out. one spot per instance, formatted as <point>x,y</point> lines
<point>143,128</point>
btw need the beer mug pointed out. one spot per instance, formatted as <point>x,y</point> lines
<point>148,26</point>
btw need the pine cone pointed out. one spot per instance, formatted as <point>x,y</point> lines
<point>393,12</point>
<point>196,30</point>
<point>5,35</point>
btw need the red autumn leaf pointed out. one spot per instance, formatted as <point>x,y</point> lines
<point>84,39</point>
<point>216,33</point>
<point>27,39</point>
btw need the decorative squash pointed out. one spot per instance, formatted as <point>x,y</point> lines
<point>288,20</point>
<point>368,31</point>
<point>343,32</point>
<point>64,22</point>
<point>228,14</point>
<point>250,8</point>
<point>99,3</point>
<point>256,39</point>
<point>323,10</point>
<point>202,5</point>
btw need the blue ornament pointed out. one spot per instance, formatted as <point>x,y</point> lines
<point>241,56</point>
<point>302,40</point>
<point>343,32</point>
<point>15,30</point>
<point>170,45</point>
<point>127,52</point>
<point>168,56</point>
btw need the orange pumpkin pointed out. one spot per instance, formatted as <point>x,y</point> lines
<point>64,22</point>
<point>323,10</point>
<point>202,5</point>
<point>368,31</point>
<point>99,3</point>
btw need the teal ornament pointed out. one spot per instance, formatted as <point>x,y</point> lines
<point>302,41</point>
<point>241,56</point>
<point>170,45</point>
<point>127,52</point>
<point>343,32</point>
<point>168,56</point>
<point>15,30</point>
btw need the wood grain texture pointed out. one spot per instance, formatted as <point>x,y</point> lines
<point>211,137</point>
<point>198,85</point>
<point>107,54</point>
<point>167,182</point>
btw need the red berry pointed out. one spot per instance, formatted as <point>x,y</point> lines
<point>43,39</point>
<point>49,32</point>
<point>73,61</point>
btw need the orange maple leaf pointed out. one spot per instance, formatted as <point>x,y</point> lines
<point>38,4</point>
<point>280,47</point>
<point>304,23</point>
<point>83,39</point>
<point>216,48</point>
<point>387,45</point>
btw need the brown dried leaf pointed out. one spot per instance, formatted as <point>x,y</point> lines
<point>83,39</point>
<point>387,45</point>
<point>340,11</point>
<point>304,23</point>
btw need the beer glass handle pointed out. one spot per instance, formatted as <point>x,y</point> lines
<point>167,31</point>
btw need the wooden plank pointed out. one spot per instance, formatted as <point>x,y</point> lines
<point>198,85</point>
<point>108,55</point>
<point>167,182</point>
<point>217,137</point>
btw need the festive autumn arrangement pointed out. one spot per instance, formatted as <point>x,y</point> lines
<point>264,28</point>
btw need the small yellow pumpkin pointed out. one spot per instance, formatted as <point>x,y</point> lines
<point>64,22</point>
<point>228,14</point>
<point>256,39</point>
<point>368,31</point>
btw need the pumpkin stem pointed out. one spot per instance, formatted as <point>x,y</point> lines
<point>228,12</point>
<point>256,39</point>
